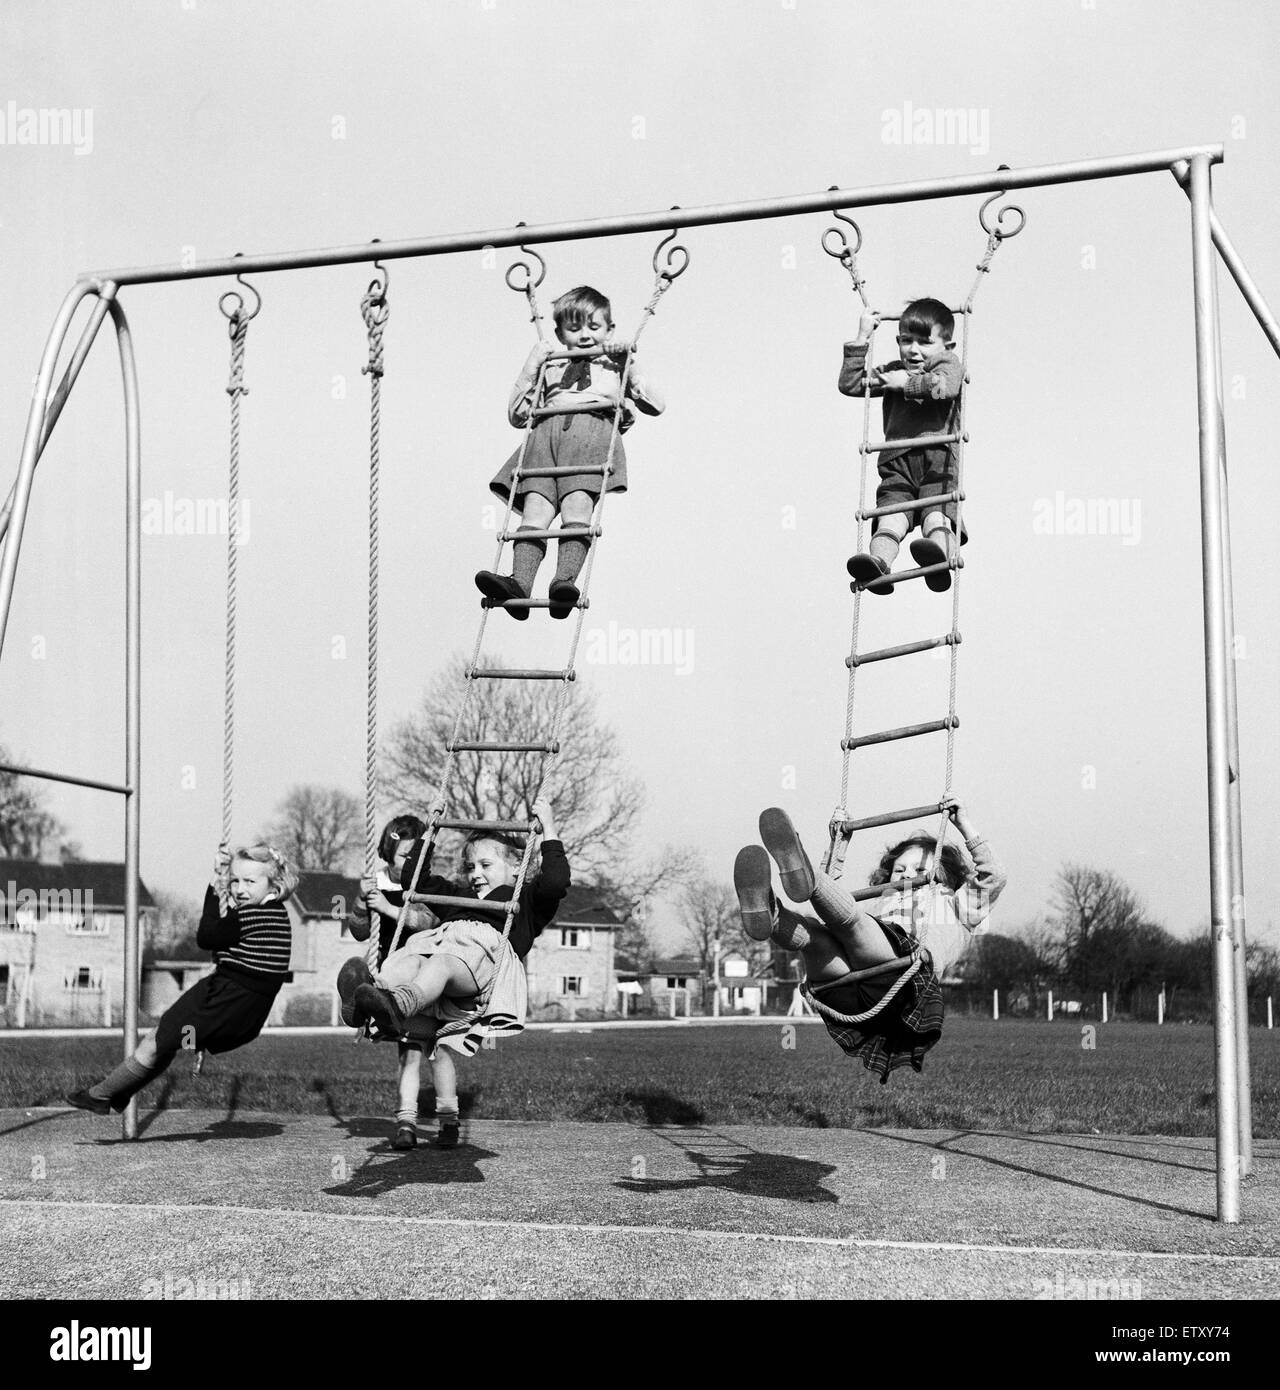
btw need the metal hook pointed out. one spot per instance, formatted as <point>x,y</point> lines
<point>530,283</point>
<point>237,314</point>
<point>677,254</point>
<point>998,231</point>
<point>375,297</point>
<point>845,253</point>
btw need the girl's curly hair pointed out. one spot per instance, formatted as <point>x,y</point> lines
<point>280,873</point>
<point>955,867</point>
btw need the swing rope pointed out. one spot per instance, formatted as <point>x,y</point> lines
<point>520,277</point>
<point>836,244</point>
<point>232,307</point>
<point>375,311</point>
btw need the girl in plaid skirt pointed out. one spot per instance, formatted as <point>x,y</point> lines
<point>867,973</point>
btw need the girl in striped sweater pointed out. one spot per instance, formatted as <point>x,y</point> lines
<point>246,927</point>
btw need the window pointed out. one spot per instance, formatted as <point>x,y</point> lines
<point>677,982</point>
<point>577,938</point>
<point>82,978</point>
<point>97,924</point>
<point>4,984</point>
<point>571,984</point>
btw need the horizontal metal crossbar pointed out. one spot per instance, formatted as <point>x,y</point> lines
<point>895,318</point>
<point>922,441</point>
<point>890,818</point>
<point>948,639</point>
<point>902,576</point>
<point>565,533</point>
<point>934,726</point>
<point>916,504</point>
<point>444,900</point>
<point>66,777</point>
<point>498,673</point>
<point>466,746</point>
<point>666,219</point>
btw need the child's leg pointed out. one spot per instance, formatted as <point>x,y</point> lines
<point>571,553</point>
<point>444,1077</point>
<point>432,977</point>
<point>408,1084</point>
<point>888,537</point>
<point>861,939</point>
<point>527,556</point>
<point>130,1076</point>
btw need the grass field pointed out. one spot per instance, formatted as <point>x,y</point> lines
<point>1012,1075</point>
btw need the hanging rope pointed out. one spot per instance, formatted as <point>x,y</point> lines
<point>238,320</point>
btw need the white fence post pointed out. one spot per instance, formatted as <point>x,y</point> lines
<point>995,1003</point>
<point>1104,1006</point>
<point>1050,1006</point>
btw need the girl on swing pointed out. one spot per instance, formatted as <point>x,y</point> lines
<point>867,973</point>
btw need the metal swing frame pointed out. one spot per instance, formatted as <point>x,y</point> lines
<point>1191,168</point>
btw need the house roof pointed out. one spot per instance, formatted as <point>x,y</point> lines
<point>103,878</point>
<point>676,965</point>
<point>316,891</point>
<point>583,907</point>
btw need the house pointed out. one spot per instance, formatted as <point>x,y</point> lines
<point>742,990</point>
<point>62,942</point>
<point>674,987</point>
<point>571,967</point>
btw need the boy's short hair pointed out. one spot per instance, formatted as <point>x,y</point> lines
<point>576,306</point>
<point>396,830</point>
<point>922,316</point>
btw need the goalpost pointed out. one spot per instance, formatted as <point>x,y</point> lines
<point>1189,166</point>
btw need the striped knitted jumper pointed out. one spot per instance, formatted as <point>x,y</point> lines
<point>252,943</point>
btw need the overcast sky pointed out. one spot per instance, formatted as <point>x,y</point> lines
<point>204,128</point>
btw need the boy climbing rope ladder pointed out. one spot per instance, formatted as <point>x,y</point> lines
<point>921,392</point>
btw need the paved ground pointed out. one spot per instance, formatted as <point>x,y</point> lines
<point>321,1206</point>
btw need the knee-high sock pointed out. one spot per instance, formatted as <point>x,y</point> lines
<point>832,902</point>
<point>789,929</point>
<point>571,554</point>
<point>526,558</point>
<point>127,1079</point>
<point>410,999</point>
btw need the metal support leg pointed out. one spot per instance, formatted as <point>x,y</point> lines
<point>1216,699</point>
<point>133,695</point>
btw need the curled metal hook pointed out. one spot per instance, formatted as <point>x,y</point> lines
<point>675,262</point>
<point>529,283</point>
<point>998,230</point>
<point>237,315</point>
<point>375,297</point>
<point>839,247</point>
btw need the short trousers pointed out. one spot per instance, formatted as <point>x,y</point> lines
<point>918,473</point>
<point>904,1030</point>
<point>565,441</point>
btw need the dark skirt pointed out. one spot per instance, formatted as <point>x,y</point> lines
<point>903,1030</point>
<point>216,1014</point>
<point>565,441</point>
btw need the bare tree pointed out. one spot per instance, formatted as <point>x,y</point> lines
<point>25,826</point>
<point>631,894</point>
<point>319,828</point>
<point>709,911</point>
<point>597,803</point>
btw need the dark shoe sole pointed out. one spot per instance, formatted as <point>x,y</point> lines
<point>498,588</point>
<point>927,552</point>
<point>379,1006</point>
<point>753,882</point>
<point>353,974</point>
<point>449,1137</point>
<point>781,840</point>
<point>564,596</point>
<point>866,570</point>
<point>82,1100</point>
<point>406,1138</point>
